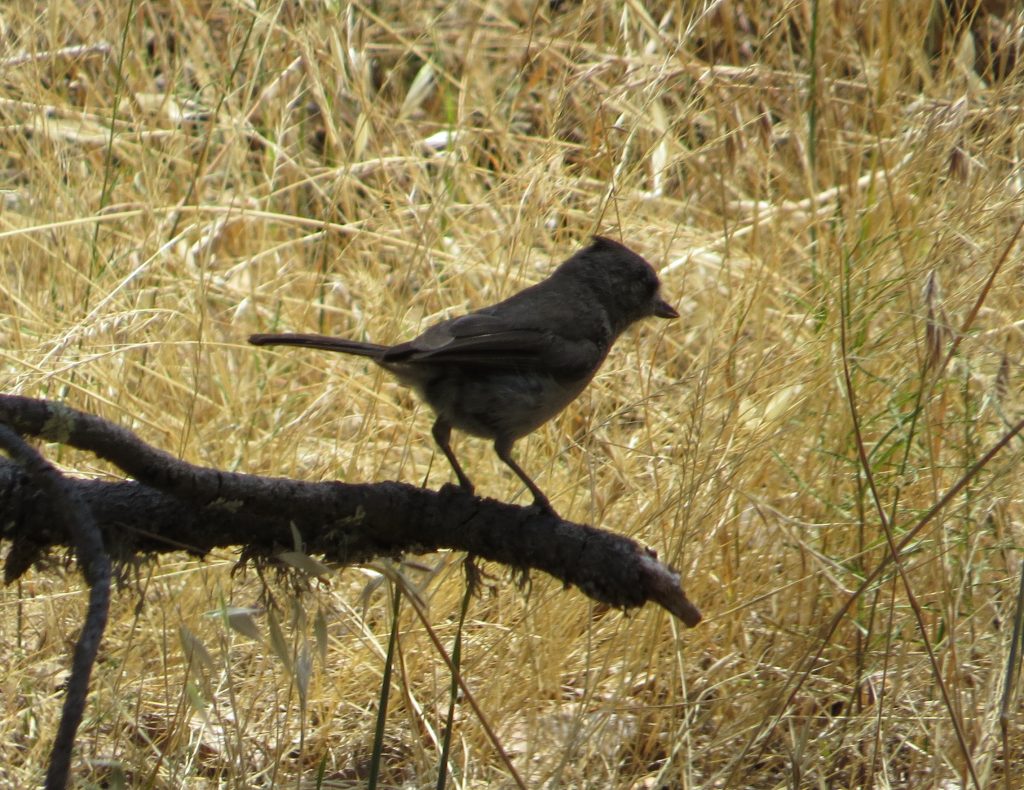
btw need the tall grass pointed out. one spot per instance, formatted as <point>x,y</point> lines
<point>831,192</point>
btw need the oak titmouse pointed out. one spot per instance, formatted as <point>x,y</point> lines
<point>504,370</point>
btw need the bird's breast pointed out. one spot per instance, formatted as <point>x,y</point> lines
<point>504,404</point>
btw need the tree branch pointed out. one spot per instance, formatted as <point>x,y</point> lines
<point>175,505</point>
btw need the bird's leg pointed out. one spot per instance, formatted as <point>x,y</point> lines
<point>442,432</point>
<point>503,448</point>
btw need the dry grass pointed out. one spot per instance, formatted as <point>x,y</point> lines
<point>197,171</point>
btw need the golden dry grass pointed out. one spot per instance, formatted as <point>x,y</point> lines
<point>192,172</point>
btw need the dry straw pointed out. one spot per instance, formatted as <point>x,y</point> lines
<point>831,191</point>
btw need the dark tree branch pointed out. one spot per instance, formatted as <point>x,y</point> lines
<point>175,506</point>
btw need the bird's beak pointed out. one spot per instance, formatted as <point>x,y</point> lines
<point>663,309</point>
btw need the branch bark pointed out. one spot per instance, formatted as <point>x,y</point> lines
<point>173,505</point>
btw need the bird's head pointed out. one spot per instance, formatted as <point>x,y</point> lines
<point>622,281</point>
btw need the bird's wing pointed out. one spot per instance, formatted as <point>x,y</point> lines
<point>483,339</point>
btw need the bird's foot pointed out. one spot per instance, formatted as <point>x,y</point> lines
<point>453,487</point>
<point>542,504</point>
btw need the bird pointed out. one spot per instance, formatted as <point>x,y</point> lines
<point>502,371</point>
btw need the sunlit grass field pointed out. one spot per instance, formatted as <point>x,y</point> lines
<point>832,194</point>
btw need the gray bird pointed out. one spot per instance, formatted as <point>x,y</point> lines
<point>503,371</point>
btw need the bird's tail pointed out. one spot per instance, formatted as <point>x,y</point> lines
<point>325,342</point>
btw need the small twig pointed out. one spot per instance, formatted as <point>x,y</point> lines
<point>1010,680</point>
<point>894,554</point>
<point>466,691</point>
<point>77,51</point>
<point>979,301</point>
<point>95,565</point>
